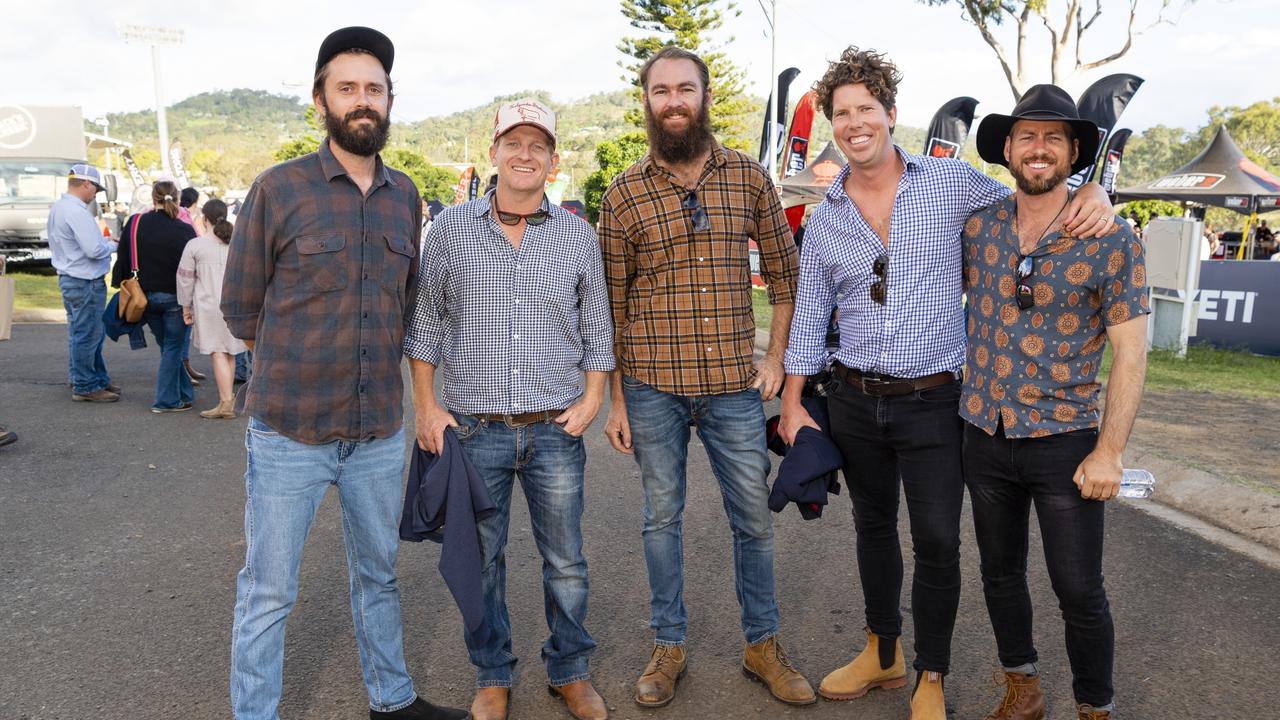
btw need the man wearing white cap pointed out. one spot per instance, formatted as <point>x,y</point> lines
<point>512,305</point>
<point>82,257</point>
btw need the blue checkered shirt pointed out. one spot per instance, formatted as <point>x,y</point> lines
<point>919,330</point>
<point>513,329</point>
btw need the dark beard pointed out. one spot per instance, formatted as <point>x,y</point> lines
<point>1038,187</point>
<point>362,141</point>
<point>683,147</point>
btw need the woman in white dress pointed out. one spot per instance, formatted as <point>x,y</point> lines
<point>200,294</point>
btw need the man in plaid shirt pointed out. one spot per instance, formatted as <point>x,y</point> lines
<point>675,229</point>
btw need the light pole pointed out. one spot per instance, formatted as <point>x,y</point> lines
<point>155,36</point>
<point>772,15</point>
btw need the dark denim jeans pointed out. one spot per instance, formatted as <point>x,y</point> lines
<point>916,437</point>
<point>84,301</point>
<point>164,317</point>
<point>1005,477</point>
<point>549,463</point>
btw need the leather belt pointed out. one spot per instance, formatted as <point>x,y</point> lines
<point>880,385</point>
<point>521,420</point>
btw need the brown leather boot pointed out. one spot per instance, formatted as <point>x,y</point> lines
<point>1022,699</point>
<point>866,672</point>
<point>657,684</point>
<point>928,703</point>
<point>491,703</point>
<point>766,662</point>
<point>1086,711</point>
<point>581,699</point>
<point>224,409</point>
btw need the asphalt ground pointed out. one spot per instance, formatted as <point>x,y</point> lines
<point>121,534</point>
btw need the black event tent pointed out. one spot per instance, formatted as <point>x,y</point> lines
<point>1220,176</point>
<point>810,186</point>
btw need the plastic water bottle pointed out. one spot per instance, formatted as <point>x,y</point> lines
<point>1137,484</point>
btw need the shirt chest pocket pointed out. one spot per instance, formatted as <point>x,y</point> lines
<point>322,264</point>
<point>396,263</point>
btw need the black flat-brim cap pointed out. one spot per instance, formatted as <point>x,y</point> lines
<point>357,38</point>
<point>1041,102</point>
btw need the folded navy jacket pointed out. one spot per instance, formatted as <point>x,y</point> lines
<point>115,326</point>
<point>442,488</point>
<point>810,469</point>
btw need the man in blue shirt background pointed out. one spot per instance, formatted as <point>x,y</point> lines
<point>82,257</point>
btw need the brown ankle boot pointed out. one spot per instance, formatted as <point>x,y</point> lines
<point>491,703</point>
<point>657,684</point>
<point>224,409</point>
<point>581,700</point>
<point>865,672</point>
<point>928,703</point>
<point>1022,699</point>
<point>1086,711</point>
<point>766,662</point>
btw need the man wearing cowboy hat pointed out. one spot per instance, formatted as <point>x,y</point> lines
<point>1043,303</point>
<point>884,247</point>
<point>82,257</point>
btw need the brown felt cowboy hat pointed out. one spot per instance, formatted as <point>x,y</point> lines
<point>1041,102</point>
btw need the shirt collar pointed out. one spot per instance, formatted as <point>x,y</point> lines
<point>73,197</point>
<point>332,168</point>
<point>836,191</point>
<point>484,202</point>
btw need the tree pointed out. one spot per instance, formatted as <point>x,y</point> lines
<point>688,24</point>
<point>1256,130</point>
<point>613,156</point>
<point>1067,29</point>
<point>434,183</point>
<point>308,143</point>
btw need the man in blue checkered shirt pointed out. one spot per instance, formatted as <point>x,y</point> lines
<point>884,251</point>
<point>512,305</point>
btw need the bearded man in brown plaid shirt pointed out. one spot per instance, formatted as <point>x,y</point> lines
<point>675,231</point>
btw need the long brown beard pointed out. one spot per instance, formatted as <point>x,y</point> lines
<point>361,141</point>
<point>684,146</point>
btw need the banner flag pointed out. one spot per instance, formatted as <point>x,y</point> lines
<point>795,155</point>
<point>462,193</point>
<point>1111,160</point>
<point>1102,104</point>
<point>950,128</point>
<point>776,125</point>
<point>179,170</point>
<point>135,173</point>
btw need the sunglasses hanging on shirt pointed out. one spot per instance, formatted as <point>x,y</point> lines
<point>700,219</point>
<point>537,217</point>
<point>880,288</point>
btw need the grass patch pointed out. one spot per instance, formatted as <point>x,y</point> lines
<point>760,307</point>
<point>35,288</point>
<point>1207,369</point>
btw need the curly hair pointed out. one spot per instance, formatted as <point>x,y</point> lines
<point>860,67</point>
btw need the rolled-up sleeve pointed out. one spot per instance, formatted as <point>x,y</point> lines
<point>595,320</point>
<point>250,264</point>
<point>424,333</point>
<point>778,264</point>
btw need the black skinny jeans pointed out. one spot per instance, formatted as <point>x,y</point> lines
<point>1005,477</point>
<point>916,437</point>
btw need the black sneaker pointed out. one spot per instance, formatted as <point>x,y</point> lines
<point>181,408</point>
<point>420,709</point>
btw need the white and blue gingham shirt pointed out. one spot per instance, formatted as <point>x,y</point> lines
<point>513,329</point>
<point>919,330</point>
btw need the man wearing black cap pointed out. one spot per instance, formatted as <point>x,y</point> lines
<point>1043,303</point>
<point>321,269</point>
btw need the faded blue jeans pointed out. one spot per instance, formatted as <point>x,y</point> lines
<point>284,484</point>
<point>549,463</point>
<point>732,428</point>
<point>84,301</point>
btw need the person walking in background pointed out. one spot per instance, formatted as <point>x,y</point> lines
<point>186,201</point>
<point>200,294</point>
<point>82,257</point>
<point>160,240</point>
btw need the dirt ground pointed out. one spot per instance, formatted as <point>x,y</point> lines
<point>1231,437</point>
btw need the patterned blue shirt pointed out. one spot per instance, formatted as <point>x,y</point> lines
<point>513,329</point>
<point>78,246</point>
<point>919,330</point>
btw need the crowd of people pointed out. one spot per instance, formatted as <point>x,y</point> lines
<point>533,319</point>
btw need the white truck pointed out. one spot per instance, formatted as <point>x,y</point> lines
<point>38,146</point>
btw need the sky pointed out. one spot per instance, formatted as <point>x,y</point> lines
<point>452,56</point>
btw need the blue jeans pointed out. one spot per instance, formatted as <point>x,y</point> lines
<point>732,428</point>
<point>84,301</point>
<point>244,365</point>
<point>164,317</point>
<point>1005,477</point>
<point>549,463</point>
<point>284,484</point>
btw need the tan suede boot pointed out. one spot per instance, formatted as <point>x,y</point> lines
<point>491,703</point>
<point>1089,712</point>
<point>224,409</point>
<point>1022,699</point>
<point>858,677</point>
<point>928,703</point>
<point>657,684</point>
<point>766,662</point>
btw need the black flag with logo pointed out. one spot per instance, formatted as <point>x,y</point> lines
<point>949,128</point>
<point>1103,104</point>
<point>776,125</point>
<point>1111,160</point>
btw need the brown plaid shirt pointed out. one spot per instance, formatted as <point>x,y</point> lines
<point>681,297</point>
<point>320,276</point>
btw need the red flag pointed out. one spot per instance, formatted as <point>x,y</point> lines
<point>796,154</point>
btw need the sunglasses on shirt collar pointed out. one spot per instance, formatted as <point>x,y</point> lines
<point>537,217</point>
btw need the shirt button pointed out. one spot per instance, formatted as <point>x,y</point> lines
<point>515,337</point>
<point>515,372</point>
<point>706,319</point>
<point>704,289</point>
<point>708,349</point>
<point>517,301</point>
<point>701,259</point>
